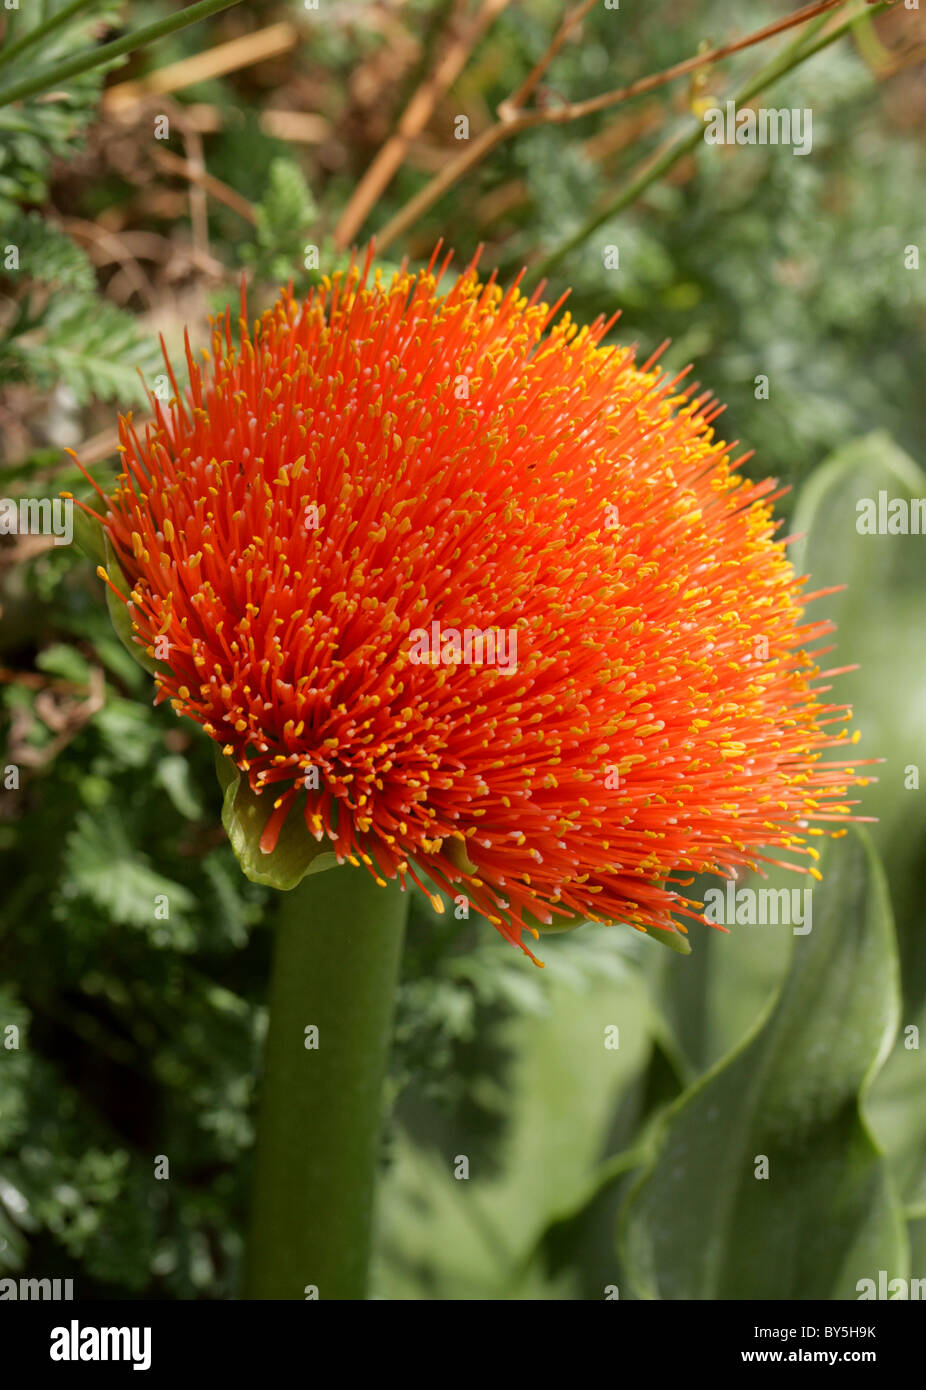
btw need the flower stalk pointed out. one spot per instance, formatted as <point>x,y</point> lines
<point>336,963</point>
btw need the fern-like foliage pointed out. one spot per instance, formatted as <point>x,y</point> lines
<point>46,255</point>
<point>35,131</point>
<point>285,215</point>
<point>55,329</point>
<point>54,326</point>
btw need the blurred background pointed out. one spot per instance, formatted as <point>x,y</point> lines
<point>137,198</point>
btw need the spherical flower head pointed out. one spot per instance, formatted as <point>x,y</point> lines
<point>481,600</point>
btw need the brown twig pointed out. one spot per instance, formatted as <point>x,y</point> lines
<point>100,446</point>
<point>215,62</point>
<point>512,120</point>
<point>65,721</point>
<point>576,110</point>
<point>302,127</point>
<point>526,90</point>
<point>414,118</point>
<point>199,206</point>
<point>475,151</point>
<point>34,680</point>
<point>113,248</point>
<point>172,163</point>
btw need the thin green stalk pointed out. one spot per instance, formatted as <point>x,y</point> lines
<point>339,941</point>
<point>42,30</point>
<point>52,77</point>
<point>791,57</point>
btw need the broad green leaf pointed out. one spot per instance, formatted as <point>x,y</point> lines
<point>879,615</point>
<point>714,1000</point>
<point>711,1001</point>
<point>447,1237</point>
<point>881,619</point>
<point>898,1113</point>
<point>245,814</point>
<point>575,1257</point>
<point>917,1233</point>
<point>700,1223</point>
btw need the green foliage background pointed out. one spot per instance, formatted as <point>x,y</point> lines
<point>590,1168</point>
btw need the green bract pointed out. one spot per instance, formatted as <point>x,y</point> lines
<point>244,815</point>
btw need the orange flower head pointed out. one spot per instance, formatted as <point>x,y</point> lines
<point>480,599</point>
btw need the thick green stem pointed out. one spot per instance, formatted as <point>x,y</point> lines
<point>339,942</point>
